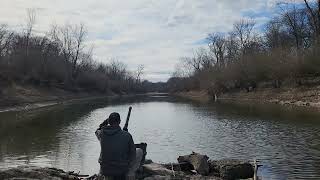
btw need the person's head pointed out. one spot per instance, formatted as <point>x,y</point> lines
<point>114,119</point>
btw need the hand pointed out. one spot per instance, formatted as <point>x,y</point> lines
<point>104,123</point>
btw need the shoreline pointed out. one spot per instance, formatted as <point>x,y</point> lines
<point>297,97</point>
<point>192,166</point>
<point>66,101</point>
<point>50,103</point>
<point>199,96</point>
<point>26,97</point>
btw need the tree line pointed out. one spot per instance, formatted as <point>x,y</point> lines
<point>286,51</point>
<point>60,58</point>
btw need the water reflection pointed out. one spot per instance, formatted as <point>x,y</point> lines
<point>287,141</point>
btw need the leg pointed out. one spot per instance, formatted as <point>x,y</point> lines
<point>135,165</point>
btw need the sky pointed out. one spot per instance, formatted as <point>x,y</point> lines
<point>154,33</point>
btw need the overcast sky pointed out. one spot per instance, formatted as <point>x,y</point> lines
<point>154,33</point>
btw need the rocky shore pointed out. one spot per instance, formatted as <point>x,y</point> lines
<point>35,173</point>
<point>193,166</point>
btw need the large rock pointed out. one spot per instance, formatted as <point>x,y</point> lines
<point>231,169</point>
<point>198,161</point>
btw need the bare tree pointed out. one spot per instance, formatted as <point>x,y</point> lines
<point>139,73</point>
<point>232,47</point>
<point>319,14</point>
<point>295,21</point>
<point>193,63</point>
<point>207,59</point>
<point>286,50</point>
<point>79,33</point>
<point>3,33</point>
<point>315,18</point>
<point>5,39</point>
<point>182,69</point>
<point>217,44</point>
<point>243,30</point>
<point>31,19</point>
<point>272,34</point>
<point>72,42</point>
<point>59,58</point>
<point>117,70</point>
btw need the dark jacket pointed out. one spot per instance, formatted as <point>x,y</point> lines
<point>117,150</point>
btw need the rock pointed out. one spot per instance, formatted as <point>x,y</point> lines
<point>181,177</point>
<point>185,166</point>
<point>198,161</point>
<point>148,161</point>
<point>199,177</point>
<point>213,170</point>
<point>172,166</point>
<point>156,169</point>
<point>158,177</point>
<point>232,169</point>
<point>32,172</point>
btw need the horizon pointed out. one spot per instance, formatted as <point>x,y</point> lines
<point>152,33</point>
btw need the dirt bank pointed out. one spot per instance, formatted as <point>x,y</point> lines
<point>17,97</point>
<point>201,96</point>
<point>302,96</point>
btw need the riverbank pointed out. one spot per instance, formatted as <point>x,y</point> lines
<point>200,96</point>
<point>301,97</point>
<point>17,98</point>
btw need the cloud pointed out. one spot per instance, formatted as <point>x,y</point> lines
<point>150,32</point>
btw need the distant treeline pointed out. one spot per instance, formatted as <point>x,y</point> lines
<point>288,50</point>
<point>60,58</point>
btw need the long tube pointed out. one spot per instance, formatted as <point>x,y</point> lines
<point>125,128</point>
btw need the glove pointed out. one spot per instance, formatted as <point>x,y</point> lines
<point>105,123</point>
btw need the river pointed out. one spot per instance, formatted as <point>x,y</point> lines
<point>286,141</point>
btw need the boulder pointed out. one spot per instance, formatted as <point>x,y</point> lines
<point>199,162</point>
<point>231,169</point>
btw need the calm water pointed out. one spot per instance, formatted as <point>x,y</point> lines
<point>287,142</point>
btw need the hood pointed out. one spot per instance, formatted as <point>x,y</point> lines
<point>111,130</point>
